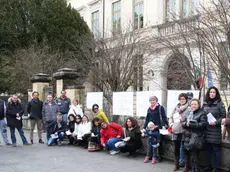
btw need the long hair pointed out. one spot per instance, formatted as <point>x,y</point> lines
<point>207,98</point>
<point>96,120</point>
<point>133,121</point>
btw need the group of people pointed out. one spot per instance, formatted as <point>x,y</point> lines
<point>193,127</point>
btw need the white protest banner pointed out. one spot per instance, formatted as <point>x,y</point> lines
<point>123,103</point>
<point>94,98</point>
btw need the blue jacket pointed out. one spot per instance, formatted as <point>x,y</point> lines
<point>49,112</point>
<point>153,136</point>
<point>63,104</point>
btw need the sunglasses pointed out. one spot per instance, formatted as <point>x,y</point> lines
<point>95,108</point>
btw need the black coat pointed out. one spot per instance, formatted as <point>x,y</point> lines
<point>217,109</point>
<point>34,108</point>
<point>11,111</point>
<point>53,127</point>
<point>197,127</point>
<point>2,105</point>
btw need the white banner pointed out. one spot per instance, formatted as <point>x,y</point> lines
<point>94,98</point>
<point>142,101</point>
<point>123,103</point>
<point>172,99</point>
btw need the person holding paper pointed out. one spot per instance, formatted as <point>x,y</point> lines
<point>71,128</point>
<point>175,121</point>
<point>213,107</point>
<point>194,124</point>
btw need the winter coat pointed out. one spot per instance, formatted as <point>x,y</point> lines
<point>84,128</point>
<point>154,116</point>
<point>153,136</point>
<point>111,130</point>
<point>34,108</point>
<point>11,111</point>
<point>53,127</point>
<point>198,125</point>
<point>49,112</point>
<point>217,109</point>
<point>183,111</point>
<point>96,131</point>
<point>76,110</point>
<point>71,125</point>
<point>2,109</point>
<point>135,137</point>
<point>227,125</point>
<point>100,114</point>
<point>63,104</point>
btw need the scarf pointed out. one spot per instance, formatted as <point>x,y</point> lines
<point>181,108</point>
<point>153,107</point>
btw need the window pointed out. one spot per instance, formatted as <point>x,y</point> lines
<point>170,9</point>
<point>116,14</point>
<point>138,14</point>
<point>188,8</point>
<point>95,24</point>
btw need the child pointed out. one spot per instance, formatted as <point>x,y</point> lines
<point>153,134</point>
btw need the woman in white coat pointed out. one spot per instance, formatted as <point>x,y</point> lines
<point>75,108</point>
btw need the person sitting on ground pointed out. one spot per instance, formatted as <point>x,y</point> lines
<point>111,134</point>
<point>84,132</point>
<point>132,136</point>
<point>99,114</point>
<point>57,130</point>
<point>94,141</point>
<point>75,108</point>
<point>76,128</point>
<point>153,134</point>
<point>71,128</point>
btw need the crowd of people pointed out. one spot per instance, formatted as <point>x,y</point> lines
<point>193,127</point>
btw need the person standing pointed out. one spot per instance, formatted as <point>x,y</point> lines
<point>14,112</point>
<point>3,124</point>
<point>64,103</point>
<point>49,113</point>
<point>215,107</point>
<point>34,109</point>
<point>75,108</point>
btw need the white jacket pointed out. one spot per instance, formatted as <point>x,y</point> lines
<point>75,110</point>
<point>84,128</point>
<point>76,128</point>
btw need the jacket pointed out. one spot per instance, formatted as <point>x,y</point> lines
<point>217,109</point>
<point>111,130</point>
<point>53,127</point>
<point>11,111</point>
<point>198,125</point>
<point>34,108</point>
<point>153,136</point>
<point>63,104</point>
<point>227,125</point>
<point>155,117</point>
<point>100,114</point>
<point>49,111</point>
<point>71,125</point>
<point>2,109</point>
<point>84,128</point>
<point>76,110</point>
<point>135,136</point>
<point>96,131</point>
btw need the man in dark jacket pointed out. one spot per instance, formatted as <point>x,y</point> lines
<point>34,108</point>
<point>14,114</point>
<point>64,104</point>
<point>3,122</point>
<point>57,129</point>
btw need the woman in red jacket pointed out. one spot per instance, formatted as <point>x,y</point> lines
<point>111,134</point>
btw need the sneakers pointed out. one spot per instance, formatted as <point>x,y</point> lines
<point>14,145</point>
<point>154,160</point>
<point>112,152</point>
<point>146,159</point>
<point>8,144</point>
<point>59,142</point>
<point>27,144</point>
<point>40,141</point>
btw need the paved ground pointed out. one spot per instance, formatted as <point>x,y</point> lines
<point>41,158</point>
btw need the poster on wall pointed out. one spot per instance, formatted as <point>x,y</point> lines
<point>172,98</point>
<point>123,103</point>
<point>94,98</point>
<point>142,101</point>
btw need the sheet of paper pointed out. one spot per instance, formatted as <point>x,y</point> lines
<point>211,118</point>
<point>68,133</point>
<point>176,117</point>
<point>54,136</point>
<point>164,132</point>
<point>18,118</point>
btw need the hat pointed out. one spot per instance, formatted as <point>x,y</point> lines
<point>153,97</point>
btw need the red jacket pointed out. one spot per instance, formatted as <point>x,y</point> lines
<point>112,130</point>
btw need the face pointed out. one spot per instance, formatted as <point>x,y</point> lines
<point>182,100</point>
<point>84,119</point>
<point>14,99</point>
<point>95,109</point>
<point>153,102</point>
<point>59,118</point>
<point>96,123</point>
<point>49,98</point>
<point>212,93</point>
<point>35,95</point>
<point>194,105</point>
<point>63,94</point>
<point>75,102</point>
<point>151,128</point>
<point>78,119</point>
<point>129,123</point>
<point>103,125</point>
<point>71,118</point>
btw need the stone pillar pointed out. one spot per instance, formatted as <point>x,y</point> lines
<point>40,81</point>
<point>66,80</point>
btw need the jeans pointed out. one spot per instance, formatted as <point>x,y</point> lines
<point>152,152</point>
<point>13,137</point>
<point>111,143</point>
<point>47,130</point>
<point>181,160</point>
<point>209,149</point>
<point>3,131</point>
<point>65,117</point>
<point>61,136</point>
<point>33,122</point>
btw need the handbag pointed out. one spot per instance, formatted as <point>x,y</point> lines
<point>196,141</point>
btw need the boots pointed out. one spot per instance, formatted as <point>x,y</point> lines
<point>186,163</point>
<point>176,163</point>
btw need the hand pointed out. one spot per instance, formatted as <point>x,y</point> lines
<point>187,123</point>
<point>163,128</point>
<point>143,134</point>
<point>103,144</point>
<point>212,123</point>
<point>118,136</point>
<point>56,133</point>
<point>143,130</point>
<point>17,115</point>
<point>158,144</point>
<point>126,139</point>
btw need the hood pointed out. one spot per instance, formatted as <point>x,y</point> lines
<point>10,100</point>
